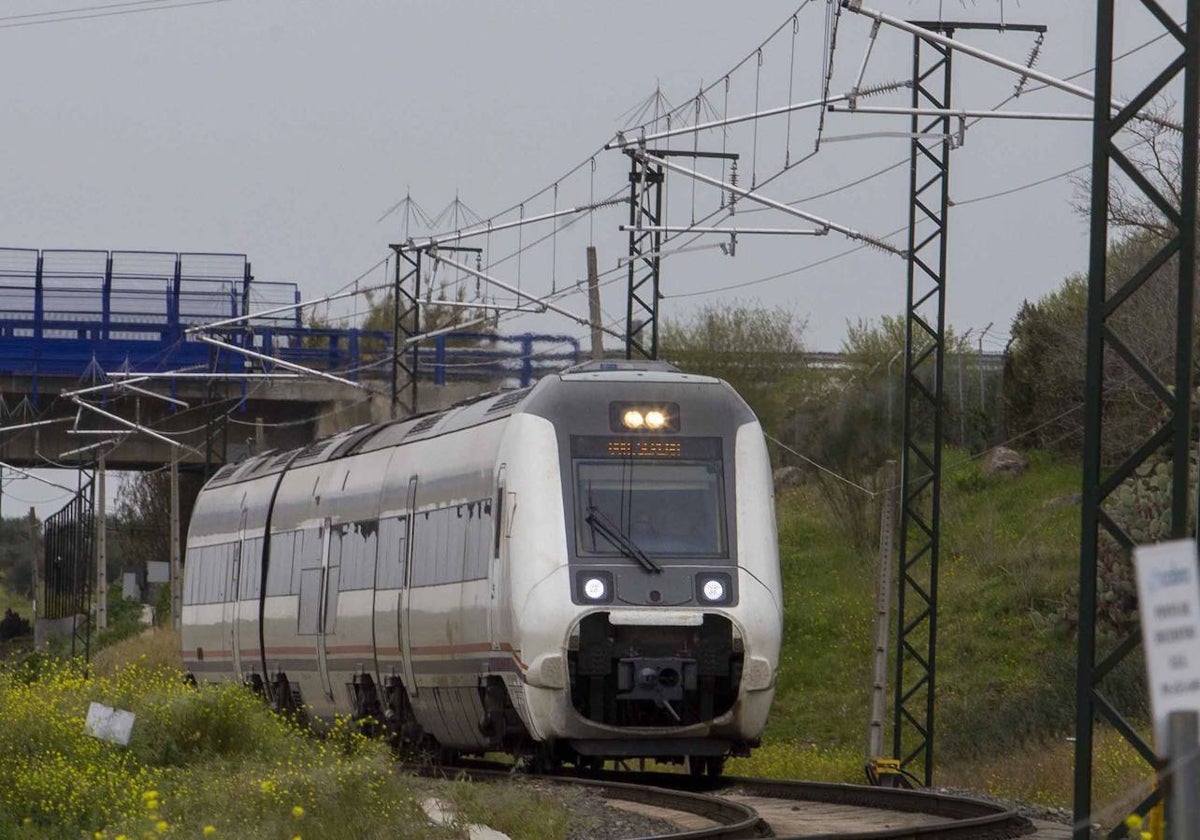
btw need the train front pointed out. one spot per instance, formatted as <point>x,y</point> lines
<point>659,635</point>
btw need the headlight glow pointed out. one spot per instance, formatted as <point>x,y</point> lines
<point>633,419</point>
<point>713,590</point>
<point>655,419</point>
<point>594,588</point>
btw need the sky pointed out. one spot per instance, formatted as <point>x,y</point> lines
<point>285,130</point>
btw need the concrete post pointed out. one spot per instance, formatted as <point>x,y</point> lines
<point>176,565</point>
<point>1183,806</point>
<point>594,304</point>
<point>101,550</point>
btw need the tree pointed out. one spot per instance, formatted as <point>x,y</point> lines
<point>755,349</point>
<point>1045,370</point>
<point>143,517</point>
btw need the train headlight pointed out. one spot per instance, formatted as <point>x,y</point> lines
<point>593,586</point>
<point>657,417</point>
<point>714,589</point>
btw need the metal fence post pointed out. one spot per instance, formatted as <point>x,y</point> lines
<point>1183,807</point>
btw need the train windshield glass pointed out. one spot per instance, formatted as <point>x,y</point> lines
<point>664,508</point>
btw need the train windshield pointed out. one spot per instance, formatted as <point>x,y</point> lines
<point>671,508</point>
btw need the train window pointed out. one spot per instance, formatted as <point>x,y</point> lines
<point>452,536</point>
<point>353,546</point>
<point>310,545</point>
<point>479,539</point>
<point>279,569</point>
<point>191,576</point>
<point>331,600</point>
<point>393,551</point>
<point>251,569</point>
<point>665,507</point>
<point>309,618</point>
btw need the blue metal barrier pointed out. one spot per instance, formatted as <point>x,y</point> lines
<point>64,312</point>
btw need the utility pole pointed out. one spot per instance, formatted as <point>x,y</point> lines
<point>962,402</point>
<point>101,551</point>
<point>883,603</point>
<point>593,279</point>
<point>982,408</point>
<point>176,566</point>
<point>35,563</point>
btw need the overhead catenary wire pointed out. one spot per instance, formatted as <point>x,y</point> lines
<point>93,12</point>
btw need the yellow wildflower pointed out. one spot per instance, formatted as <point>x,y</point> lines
<point>266,786</point>
<point>297,811</point>
<point>1133,822</point>
<point>161,826</point>
<point>210,830</point>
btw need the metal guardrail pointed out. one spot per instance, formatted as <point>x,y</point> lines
<point>69,312</point>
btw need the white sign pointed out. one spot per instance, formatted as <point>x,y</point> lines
<point>1169,603</point>
<point>109,724</point>
<point>158,571</point>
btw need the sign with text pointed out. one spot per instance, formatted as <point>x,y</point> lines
<point>1169,603</point>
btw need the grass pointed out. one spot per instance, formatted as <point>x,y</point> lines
<point>217,758</point>
<point>1005,668</point>
<point>211,762</point>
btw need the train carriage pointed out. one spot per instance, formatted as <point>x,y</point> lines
<point>582,570</point>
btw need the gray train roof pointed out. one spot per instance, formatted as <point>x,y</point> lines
<point>473,412</point>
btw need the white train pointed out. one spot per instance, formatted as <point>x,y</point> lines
<point>583,570</point>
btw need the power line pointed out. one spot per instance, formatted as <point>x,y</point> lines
<point>100,14</point>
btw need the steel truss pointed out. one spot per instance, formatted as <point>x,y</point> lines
<point>406,319</point>
<point>406,323</point>
<point>647,224</point>
<point>645,261</point>
<point>921,456</point>
<point>68,564</point>
<point>1172,438</point>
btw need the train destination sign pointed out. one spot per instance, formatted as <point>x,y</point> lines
<point>1169,603</point>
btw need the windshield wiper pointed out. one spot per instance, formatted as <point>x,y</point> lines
<point>600,522</point>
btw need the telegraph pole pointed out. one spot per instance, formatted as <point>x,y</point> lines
<point>176,565</point>
<point>593,278</point>
<point>101,551</point>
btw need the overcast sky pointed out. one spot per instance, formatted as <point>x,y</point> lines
<point>284,129</point>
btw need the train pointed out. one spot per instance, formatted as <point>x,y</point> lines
<point>581,571</point>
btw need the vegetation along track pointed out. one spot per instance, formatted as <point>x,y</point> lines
<point>740,807</point>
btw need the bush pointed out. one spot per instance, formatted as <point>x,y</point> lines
<point>13,626</point>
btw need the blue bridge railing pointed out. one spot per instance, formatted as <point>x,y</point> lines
<point>69,312</point>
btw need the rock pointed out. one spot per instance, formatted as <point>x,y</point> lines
<point>1004,462</point>
<point>787,477</point>
<point>1061,502</point>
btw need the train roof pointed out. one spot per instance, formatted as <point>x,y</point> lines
<point>463,415</point>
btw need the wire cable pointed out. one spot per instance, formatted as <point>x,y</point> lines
<point>91,16</point>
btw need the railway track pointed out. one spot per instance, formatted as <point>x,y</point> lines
<point>732,808</point>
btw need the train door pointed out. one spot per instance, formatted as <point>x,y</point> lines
<point>326,621</point>
<point>497,577</point>
<point>232,601</point>
<point>410,507</point>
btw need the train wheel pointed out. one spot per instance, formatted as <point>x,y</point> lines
<point>706,765</point>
